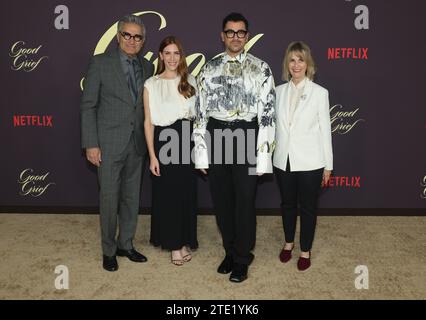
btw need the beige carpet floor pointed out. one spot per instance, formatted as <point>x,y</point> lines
<point>392,248</point>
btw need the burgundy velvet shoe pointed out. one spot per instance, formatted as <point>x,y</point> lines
<point>304,263</point>
<point>285,255</point>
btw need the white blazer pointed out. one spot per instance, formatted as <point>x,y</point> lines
<point>307,141</point>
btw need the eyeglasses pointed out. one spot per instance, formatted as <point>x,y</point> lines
<point>231,33</point>
<point>128,36</point>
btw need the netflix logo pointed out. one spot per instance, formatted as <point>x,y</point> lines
<point>348,53</point>
<point>343,182</point>
<point>32,121</point>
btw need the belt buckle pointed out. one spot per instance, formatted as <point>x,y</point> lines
<point>231,124</point>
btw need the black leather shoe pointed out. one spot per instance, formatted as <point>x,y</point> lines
<point>110,263</point>
<point>239,273</point>
<point>132,254</point>
<point>226,265</point>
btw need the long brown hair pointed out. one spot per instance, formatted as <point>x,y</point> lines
<point>184,87</point>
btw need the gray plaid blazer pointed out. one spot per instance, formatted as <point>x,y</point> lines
<point>108,114</point>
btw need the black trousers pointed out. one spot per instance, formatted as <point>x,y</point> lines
<point>233,192</point>
<point>299,188</point>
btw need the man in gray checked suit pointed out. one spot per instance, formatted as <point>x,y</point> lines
<point>112,134</point>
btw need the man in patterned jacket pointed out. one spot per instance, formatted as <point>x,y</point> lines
<point>236,105</point>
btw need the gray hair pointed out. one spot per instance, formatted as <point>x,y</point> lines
<point>130,18</point>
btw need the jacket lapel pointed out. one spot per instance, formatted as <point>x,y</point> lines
<point>121,77</point>
<point>144,77</point>
<point>286,113</point>
<point>303,100</point>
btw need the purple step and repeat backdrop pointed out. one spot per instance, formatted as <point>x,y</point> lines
<point>370,56</point>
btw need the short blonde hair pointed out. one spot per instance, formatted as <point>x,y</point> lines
<point>303,51</point>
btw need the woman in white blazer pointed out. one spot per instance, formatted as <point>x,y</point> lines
<point>303,157</point>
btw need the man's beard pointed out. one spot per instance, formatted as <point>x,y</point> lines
<point>235,49</point>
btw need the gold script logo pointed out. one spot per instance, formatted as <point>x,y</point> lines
<point>423,185</point>
<point>32,184</point>
<point>24,58</point>
<point>110,34</point>
<point>342,122</point>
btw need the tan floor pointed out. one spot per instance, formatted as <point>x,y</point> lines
<point>393,249</point>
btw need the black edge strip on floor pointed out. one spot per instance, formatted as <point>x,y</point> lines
<point>209,211</point>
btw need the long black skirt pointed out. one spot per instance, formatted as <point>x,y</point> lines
<point>174,192</point>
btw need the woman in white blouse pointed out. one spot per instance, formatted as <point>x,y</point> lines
<point>169,99</point>
<point>303,157</point>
